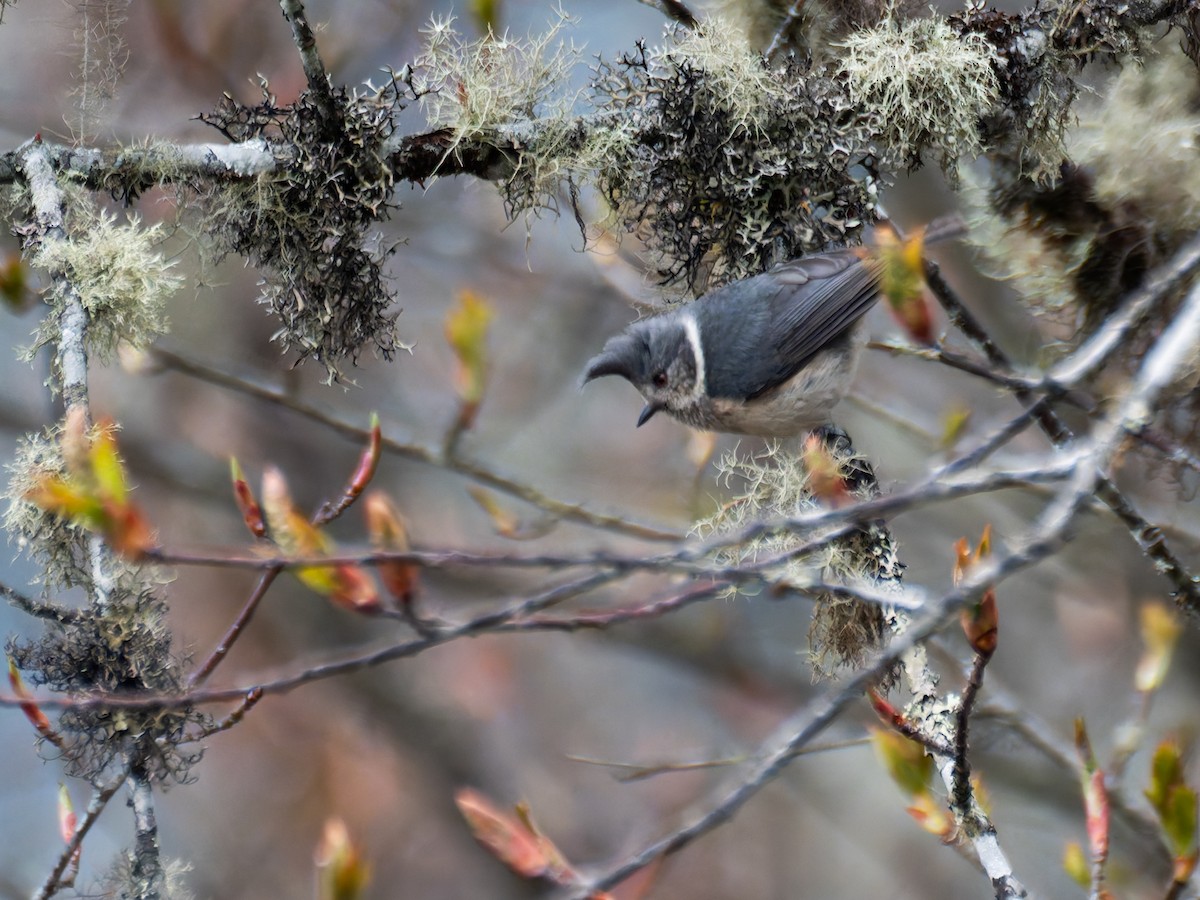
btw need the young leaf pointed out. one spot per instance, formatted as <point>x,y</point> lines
<point>388,534</point>
<point>902,282</point>
<point>931,814</point>
<point>342,873</point>
<point>1076,865</point>
<point>67,823</point>
<point>1095,796</point>
<point>1174,801</point>
<point>980,621</point>
<point>905,760</point>
<point>94,493</point>
<point>466,331</point>
<point>290,528</point>
<point>504,522</point>
<point>344,584</point>
<point>509,838</point>
<point>67,819</point>
<point>1160,632</point>
<point>954,423</point>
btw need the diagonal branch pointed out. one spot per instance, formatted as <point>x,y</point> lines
<point>96,805</point>
<point>1148,536</point>
<point>475,471</point>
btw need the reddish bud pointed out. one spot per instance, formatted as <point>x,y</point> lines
<point>368,462</point>
<point>32,711</point>
<point>511,839</point>
<point>388,534</point>
<point>247,503</point>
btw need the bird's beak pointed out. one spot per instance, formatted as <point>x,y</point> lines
<point>647,411</point>
<point>619,357</point>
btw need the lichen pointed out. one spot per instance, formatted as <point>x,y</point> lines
<point>119,276</point>
<point>773,485</point>
<point>306,225</point>
<point>929,85</point>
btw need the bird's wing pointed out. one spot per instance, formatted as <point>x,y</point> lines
<point>778,323</point>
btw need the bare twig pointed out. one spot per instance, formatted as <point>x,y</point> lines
<point>798,731</point>
<point>631,772</point>
<point>960,792</point>
<point>42,609</point>
<point>1148,536</point>
<point>248,703</point>
<point>310,59</point>
<point>236,627</point>
<point>100,797</point>
<point>467,468</point>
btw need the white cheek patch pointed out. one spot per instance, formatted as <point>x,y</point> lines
<point>692,331</point>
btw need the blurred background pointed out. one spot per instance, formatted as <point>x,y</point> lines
<point>533,717</point>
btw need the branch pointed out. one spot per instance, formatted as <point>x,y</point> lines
<point>1149,537</point>
<point>146,873</point>
<point>310,59</point>
<point>100,797</point>
<point>49,209</point>
<point>1159,367</point>
<point>417,452</point>
<point>41,609</point>
<point>201,674</point>
<point>797,732</point>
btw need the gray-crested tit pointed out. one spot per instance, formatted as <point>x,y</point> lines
<point>769,355</point>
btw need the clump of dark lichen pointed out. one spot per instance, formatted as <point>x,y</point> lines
<point>121,647</point>
<point>306,224</point>
<point>733,165</point>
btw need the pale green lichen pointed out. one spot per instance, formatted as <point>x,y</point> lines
<point>1142,143</point>
<point>119,276</point>
<point>929,85</point>
<point>1041,270</point>
<point>739,75</point>
<point>774,486</point>
<point>473,87</point>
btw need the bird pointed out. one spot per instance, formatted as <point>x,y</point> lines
<point>769,355</point>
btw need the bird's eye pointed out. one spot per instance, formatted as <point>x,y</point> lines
<point>660,379</point>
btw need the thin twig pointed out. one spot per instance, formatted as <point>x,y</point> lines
<point>239,712</point>
<point>100,797</point>
<point>467,468</point>
<point>236,627</point>
<point>1149,537</point>
<point>960,793</point>
<point>799,730</point>
<point>42,609</point>
<point>310,59</point>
